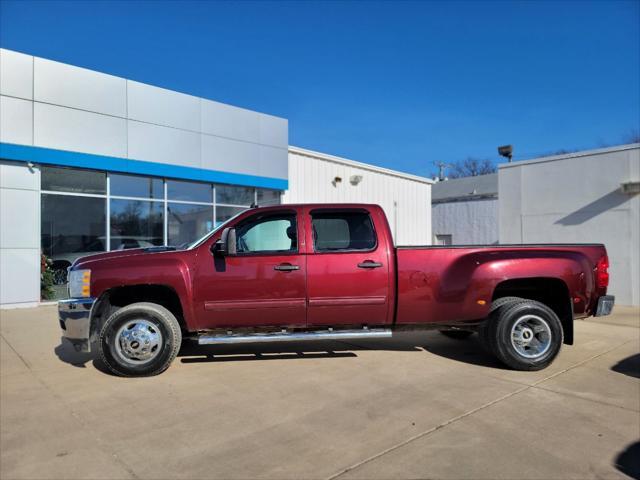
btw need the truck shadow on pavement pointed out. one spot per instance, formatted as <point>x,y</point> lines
<point>628,461</point>
<point>629,366</point>
<point>466,351</point>
<point>68,354</point>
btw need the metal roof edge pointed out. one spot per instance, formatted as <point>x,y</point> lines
<point>564,156</point>
<point>353,163</point>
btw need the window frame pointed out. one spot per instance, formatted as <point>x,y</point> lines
<point>345,250</point>
<point>271,253</point>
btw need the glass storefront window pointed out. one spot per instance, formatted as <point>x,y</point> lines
<point>134,186</point>
<point>136,224</point>
<point>268,197</point>
<point>74,181</point>
<point>66,237</point>
<point>189,191</point>
<point>234,195</point>
<point>225,213</point>
<point>186,223</point>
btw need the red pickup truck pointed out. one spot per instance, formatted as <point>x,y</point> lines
<point>328,272</point>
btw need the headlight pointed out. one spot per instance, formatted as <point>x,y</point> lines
<point>79,283</point>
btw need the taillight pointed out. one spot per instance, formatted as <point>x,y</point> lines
<point>602,273</point>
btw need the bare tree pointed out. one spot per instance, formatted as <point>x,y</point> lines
<point>471,167</point>
<point>632,137</point>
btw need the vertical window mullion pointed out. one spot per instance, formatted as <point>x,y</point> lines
<point>108,211</point>
<point>213,193</point>
<point>165,215</point>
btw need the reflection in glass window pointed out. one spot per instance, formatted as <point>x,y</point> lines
<point>225,213</point>
<point>235,195</point>
<point>71,227</point>
<point>134,186</point>
<point>186,223</point>
<point>268,197</point>
<point>135,224</point>
<point>71,180</point>
<point>270,234</point>
<point>189,191</point>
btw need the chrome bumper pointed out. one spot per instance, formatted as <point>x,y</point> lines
<point>605,305</point>
<point>75,320</point>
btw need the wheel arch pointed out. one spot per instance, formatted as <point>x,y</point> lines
<point>115,298</point>
<point>551,291</point>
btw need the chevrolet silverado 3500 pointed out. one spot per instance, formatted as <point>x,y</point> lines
<point>328,272</point>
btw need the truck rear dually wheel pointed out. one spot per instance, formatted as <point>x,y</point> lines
<point>141,339</point>
<point>525,335</point>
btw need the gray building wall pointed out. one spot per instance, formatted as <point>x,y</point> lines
<point>577,198</point>
<point>54,105</point>
<point>469,222</point>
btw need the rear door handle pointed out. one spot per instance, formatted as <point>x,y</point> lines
<point>369,264</point>
<point>286,267</point>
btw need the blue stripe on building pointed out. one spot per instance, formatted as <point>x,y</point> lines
<point>49,156</point>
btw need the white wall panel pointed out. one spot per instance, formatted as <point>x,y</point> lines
<point>154,143</point>
<point>147,103</point>
<point>311,180</point>
<point>230,155</point>
<point>16,121</point>
<point>273,162</point>
<point>19,233</point>
<point>17,175</point>
<point>76,87</point>
<point>80,131</point>
<point>230,122</point>
<point>274,131</point>
<point>19,228</point>
<point>19,276</point>
<point>16,74</point>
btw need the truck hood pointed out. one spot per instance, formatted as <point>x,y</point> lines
<point>132,252</point>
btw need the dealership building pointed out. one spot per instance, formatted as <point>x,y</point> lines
<point>90,162</point>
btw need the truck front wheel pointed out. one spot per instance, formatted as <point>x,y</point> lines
<point>141,339</point>
<point>525,335</point>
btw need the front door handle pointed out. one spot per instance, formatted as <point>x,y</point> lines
<point>369,264</point>
<point>286,267</point>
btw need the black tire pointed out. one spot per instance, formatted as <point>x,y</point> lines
<point>157,323</point>
<point>456,334</point>
<point>485,338</point>
<point>502,301</point>
<point>500,333</point>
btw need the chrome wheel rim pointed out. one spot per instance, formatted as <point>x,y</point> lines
<point>138,341</point>
<point>531,336</point>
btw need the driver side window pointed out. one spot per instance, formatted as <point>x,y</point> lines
<point>270,234</point>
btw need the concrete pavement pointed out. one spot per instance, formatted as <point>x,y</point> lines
<point>419,406</point>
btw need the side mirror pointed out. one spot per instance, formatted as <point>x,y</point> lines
<point>227,243</point>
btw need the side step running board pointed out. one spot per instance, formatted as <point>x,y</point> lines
<point>295,336</point>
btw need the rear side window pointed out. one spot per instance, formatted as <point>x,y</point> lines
<point>342,231</point>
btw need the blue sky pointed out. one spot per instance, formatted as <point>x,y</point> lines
<point>397,84</point>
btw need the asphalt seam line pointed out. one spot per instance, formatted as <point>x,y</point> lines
<point>470,412</point>
<point>26,364</point>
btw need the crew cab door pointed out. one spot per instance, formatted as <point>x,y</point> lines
<point>347,268</point>
<point>263,284</point>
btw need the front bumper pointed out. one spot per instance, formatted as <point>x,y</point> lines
<point>75,320</point>
<point>605,305</point>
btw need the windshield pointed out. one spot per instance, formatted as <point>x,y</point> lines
<point>200,241</point>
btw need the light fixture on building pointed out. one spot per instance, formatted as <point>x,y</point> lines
<point>355,179</point>
<point>506,151</point>
<point>630,188</point>
<point>336,181</point>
